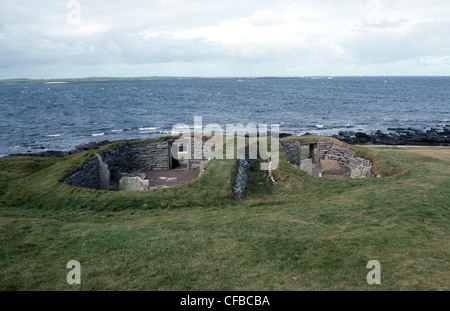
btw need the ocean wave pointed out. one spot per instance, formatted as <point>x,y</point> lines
<point>147,128</point>
<point>53,135</point>
<point>98,134</point>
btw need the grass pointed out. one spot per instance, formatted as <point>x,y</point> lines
<point>43,189</point>
<point>303,234</point>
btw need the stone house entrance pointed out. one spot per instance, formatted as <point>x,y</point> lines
<point>323,159</point>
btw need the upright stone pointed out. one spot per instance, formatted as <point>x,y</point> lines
<point>312,153</point>
<point>306,165</point>
<point>103,173</point>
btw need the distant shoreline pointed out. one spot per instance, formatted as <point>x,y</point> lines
<point>82,80</point>
<point>398,137</point>
<point>156,78</point>
<point>133,79</point>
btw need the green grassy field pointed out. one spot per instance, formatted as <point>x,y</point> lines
<point>303,234</point>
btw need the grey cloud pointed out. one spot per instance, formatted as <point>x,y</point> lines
<point>385,23</point>
<point>423,40</point>
<point>140,33</point>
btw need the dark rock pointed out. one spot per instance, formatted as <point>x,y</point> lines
<point>398,136</point>
<point>49,153</point>
<point>88,146</point>
<point>92,145</point>
<point>53,153</point>
<point>283,135</point>
<point>360,134</point>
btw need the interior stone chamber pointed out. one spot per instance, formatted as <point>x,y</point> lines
<point>324,158</point>
<point>133,160</point>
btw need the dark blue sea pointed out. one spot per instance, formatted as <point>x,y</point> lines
<point>37,116</point>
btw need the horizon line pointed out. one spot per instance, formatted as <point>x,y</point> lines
<point>207,77</point>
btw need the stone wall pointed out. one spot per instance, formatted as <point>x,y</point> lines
<point>88,176</point>
<point>130,159</point>
<point>197,158</point>
<point>241,177</point>
<point>359,167</point>
<point>292,151</point>
<point>122,161</point>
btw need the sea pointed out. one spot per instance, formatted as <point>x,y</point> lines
<point>37,117</point>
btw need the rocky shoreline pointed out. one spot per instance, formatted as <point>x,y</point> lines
<point>57,153</point>
<point>395,136</point>
<point>399,136</point>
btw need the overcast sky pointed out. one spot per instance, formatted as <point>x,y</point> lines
<point>80,38</point>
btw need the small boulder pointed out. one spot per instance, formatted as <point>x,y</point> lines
<point>307,166</point>
<point>361,171</point>
<point>133,184</point>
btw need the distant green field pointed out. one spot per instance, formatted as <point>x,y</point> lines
<point>304,233</point>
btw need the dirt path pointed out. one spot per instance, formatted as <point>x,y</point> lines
<point>160,179</point>
<point>339,173</point>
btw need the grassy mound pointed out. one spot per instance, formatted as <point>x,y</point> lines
<point>44,189</point>
<point>39,184</point>
<point>305,233</point>
<point>380,164</point>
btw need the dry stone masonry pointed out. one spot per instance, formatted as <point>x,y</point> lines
<point>127,161</point>
<point>241,177</point>
<point>324,152</point>
<point>359,167</point>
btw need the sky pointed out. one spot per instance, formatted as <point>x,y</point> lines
<point>237,38</point>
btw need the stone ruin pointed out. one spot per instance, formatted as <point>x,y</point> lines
<point>323,159</point>
<point>241,177</point>
<point>129,167</point>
